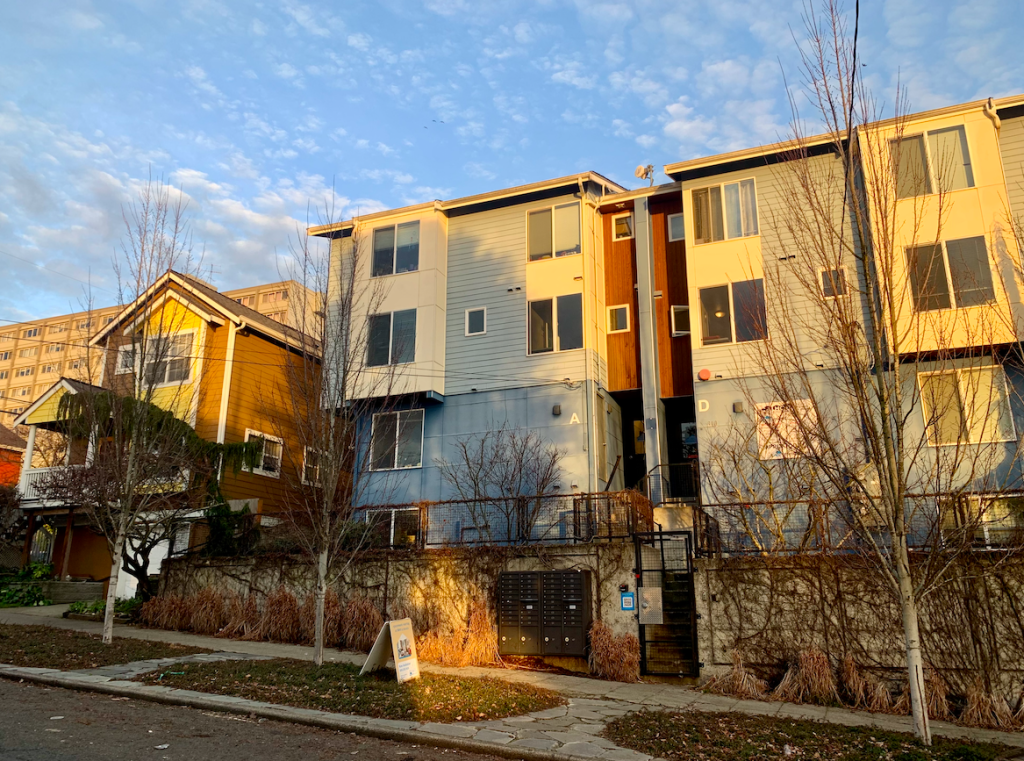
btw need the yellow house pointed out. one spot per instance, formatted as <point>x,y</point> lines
<point>938,200</point>
<point>222,367</point>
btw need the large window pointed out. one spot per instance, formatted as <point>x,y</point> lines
<point>969,406</point>
<point>933,162</point>
<point>733,313</point>
<point>554,232</point>
<point>396,249</point>
<point>951,274</point>
<point>983,520</point>
<point>397,440</point>
<point>724,211</point>
<point>392,338</point>
<point>556,324</point>
<point>270,458</point>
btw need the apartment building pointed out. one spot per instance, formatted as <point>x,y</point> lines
<point>33,355</point>
<point>647,317</point>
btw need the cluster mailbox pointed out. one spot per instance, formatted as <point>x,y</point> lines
<point>543,612</point>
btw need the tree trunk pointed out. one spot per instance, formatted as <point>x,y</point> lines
<point>320,598</point>
<point>912,640</point>
<point>115,568</point>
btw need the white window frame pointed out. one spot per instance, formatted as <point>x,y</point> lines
<point>30,333</point>
<point>846,281</point>
<point>246,301</point>
<point>23,391</point>
<point>59,328</point>
<point>391,337</point>
<point>632,226</point>
<point>4,374</point>
<point>557,348</point>
<point>628,319</point>
<point>676,333</point>
<point>398,425</point>
<point>725,211</point>
<point>932,178</point>
<point>25,372</point>
<point>75,364</point>
<point>54,368</point>
<point>32,351</point>
<point>83,325</point>
<point>120,369</point>
<point>394,248</point>
<point>6,337</point>
<point>958,371</point>
<point>54,348</point>
<point>274,297</point>
<point>668,226</point>
<point>554,232</point>
<point>251,433</point>
<point>4,356</point>
<point>950,286</point>
<point>466,326</point>
<point>305,463</point>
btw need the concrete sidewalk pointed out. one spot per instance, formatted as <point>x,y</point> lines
<point>606,699</point>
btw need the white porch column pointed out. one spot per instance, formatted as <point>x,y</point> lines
<point>26,460</point>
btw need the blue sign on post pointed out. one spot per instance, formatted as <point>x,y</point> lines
<point>628,601</point>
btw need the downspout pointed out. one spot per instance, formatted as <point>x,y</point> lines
<point>588,386</point>
<point>648,335</point>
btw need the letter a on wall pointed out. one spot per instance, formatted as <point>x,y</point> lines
<point>574,420</point>
<point>395,640</point>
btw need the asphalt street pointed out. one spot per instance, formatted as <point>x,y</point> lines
<point>47,724</point>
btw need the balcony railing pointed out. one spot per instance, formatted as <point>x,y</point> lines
<point>33,483</point>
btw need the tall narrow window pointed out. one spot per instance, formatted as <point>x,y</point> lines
<point>383,251</point>
<point>396,440</point>
<point>676,228</point>
<point>542,327</point>
<point>911,167</point>
<point>749,309</point>
<point>270,457</point>
<point>680,321</point>
<point>570,322</point>
<point>716,317</point>
<point>476,321</point>
<point>950,160</point>
<point>833,283</point>
<point>539,223</point>
<point>970,272</point>
<point>567,229</point>
<point>928,282</point>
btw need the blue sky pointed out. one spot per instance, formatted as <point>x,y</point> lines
<point>257,109</point>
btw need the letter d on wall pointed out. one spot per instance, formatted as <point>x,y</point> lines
<point>703,405</point>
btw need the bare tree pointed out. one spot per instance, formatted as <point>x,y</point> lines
<point>503,475</point>
<point>335,397</point>
<point>879,421</point>
<point>145,466</point>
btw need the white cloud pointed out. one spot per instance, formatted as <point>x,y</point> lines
<point>573,73</point>
<point>360,41</point>
<point>198,77</point>
<point>286,71</point>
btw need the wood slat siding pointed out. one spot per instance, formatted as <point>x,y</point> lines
<point>487,256</point>
<point>620,288</point>
<point>675,362</point>
<point>210,382</point>
<point>260,400</point>
<point>1011,149</point>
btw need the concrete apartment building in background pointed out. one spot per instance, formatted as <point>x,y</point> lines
<point>34,354</point>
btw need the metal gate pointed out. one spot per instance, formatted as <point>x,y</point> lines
<point>666,606</point>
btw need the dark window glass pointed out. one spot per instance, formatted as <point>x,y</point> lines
<point>910,167</point>
<point>570,322</point>
<point>928,278</point>
<point>378,350</point>
<point>539,224</point>
<point>751,319</point>
<point>383,251</point>
<point>618,318</point>
<point>714,314</point>
<point>410,439</point>
<point>407,251</point>
<point>403,342</point>
<point>382,448</point>
<point>542,337</point>
<point>475,321</point>
<point>970,272</point>
<point>833,283</point>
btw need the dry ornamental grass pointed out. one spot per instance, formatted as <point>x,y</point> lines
<point>614,657</point>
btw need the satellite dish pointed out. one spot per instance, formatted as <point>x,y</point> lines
<point>645,172</point>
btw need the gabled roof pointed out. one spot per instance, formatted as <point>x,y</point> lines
<point>10,440</point>
<point>69,385</point>
<point>214,300</point>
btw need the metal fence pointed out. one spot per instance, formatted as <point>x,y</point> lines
<point>678,482</point>
<point>794,526</point>
<point>513,521</point>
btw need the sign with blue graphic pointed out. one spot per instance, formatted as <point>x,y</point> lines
<point>628,601</point>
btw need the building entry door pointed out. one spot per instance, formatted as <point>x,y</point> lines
<point>666,605</point>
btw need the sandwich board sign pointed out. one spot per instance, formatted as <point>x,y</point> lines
<point>394,641</point>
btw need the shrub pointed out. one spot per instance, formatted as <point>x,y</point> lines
<point>614,657</point>
<point>862,690</point>
<point>739,682</point>
<point>809,680</point>
<point>361,623</point>
<point>332,619</point>
<point>280,621</point>
<point>986,709</point>
<point>473,645</point>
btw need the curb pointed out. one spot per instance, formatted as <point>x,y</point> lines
<point>305,716</point>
